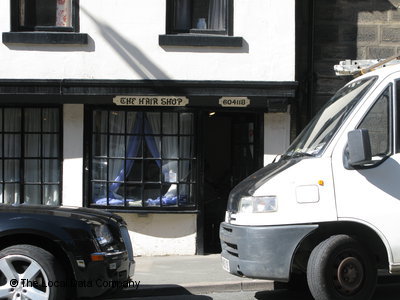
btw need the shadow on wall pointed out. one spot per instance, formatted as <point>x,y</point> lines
<point>348,29</point>
<point>131,54</point>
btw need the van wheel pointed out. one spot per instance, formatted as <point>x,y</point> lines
<point>30,272</point>
<point>339,268</point>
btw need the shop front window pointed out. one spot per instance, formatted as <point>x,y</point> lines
<point>30,160</point>
<point>142,159</point>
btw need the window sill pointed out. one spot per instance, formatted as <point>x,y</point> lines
<point>200,40</point>
<point>54,38</point>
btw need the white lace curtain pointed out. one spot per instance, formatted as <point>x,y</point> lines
<point>64,13</point>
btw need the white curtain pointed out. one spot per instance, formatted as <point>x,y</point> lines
<point>217,14</point>
<point>64,13</point>
<point>12,149</point>
<point>117,144</point>
<point>182,12</point>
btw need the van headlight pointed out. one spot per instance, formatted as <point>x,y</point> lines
<point>103,234</point>
<point>258,204</point>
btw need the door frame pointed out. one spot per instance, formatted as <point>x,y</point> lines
<point>201,134</point>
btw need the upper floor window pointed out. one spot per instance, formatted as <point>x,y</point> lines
<point>200,16</point>
<point>44,15</point>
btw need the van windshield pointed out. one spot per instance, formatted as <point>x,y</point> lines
<point>315,137</point>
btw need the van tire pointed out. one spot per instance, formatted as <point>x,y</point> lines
<point>340,268</point>
<point>47,276</point>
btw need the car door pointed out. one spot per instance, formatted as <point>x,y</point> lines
<point>371,194</point>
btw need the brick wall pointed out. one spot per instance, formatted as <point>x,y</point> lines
<point>350,29</point>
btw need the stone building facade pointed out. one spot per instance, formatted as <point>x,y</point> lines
<point>329,31</point>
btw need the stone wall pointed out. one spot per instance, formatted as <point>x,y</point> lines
<point>350,29</point>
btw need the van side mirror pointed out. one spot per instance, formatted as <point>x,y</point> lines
<point>359,147</point>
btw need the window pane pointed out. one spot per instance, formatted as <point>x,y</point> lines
<point>12,145</point>
<point>185,195</point>
<point>182,12</point>
<point>170,147</point>
<point>12,119</point>
<point>117,146</point>
<point>186,147</point>
<point>51,195</point>
<point>32,194</point>
<point>45,13</point>
<point>50,119</point>
<point>32,145</point>
<point>32,171</point>
<point>151,170</point>
<point>99,145</point>
<point>133,123</point>
<point>186,171</point>
<point>186,123</point>
<point>11,171</point>
<point>134,194</point>
<point>50,145</point>
<point>153,147</point>
<point>99,192</point>
<point>170,123</point>
<point>377,124</point>
<point>117,122</point>
<point>170,170</point>
<point>116,194</point>
<point>99,169</point>
<point>170,196</point>
<point>200,11</point>
<point>151,195</point>
<point>11,193</point>
<point>51,171</point>
<point>32,119</point>
<point>100,121</point>
<point>116,169</point>
<point>152,124</point>
<point>135,170</point>
<point>134,146</point>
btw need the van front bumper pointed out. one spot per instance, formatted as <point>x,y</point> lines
<point>263,252</point>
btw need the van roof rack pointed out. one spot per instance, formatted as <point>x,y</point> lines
<point>359,67</point>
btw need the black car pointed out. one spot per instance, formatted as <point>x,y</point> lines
<point>62,252</point>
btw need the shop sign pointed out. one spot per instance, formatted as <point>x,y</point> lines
<point>151,100</point>
<point>234,101</point>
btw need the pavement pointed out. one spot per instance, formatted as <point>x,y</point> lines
<point>186,275</point>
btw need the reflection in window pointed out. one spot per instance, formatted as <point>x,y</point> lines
<point>142,159</point>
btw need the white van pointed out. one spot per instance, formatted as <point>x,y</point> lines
<point>330,206</point>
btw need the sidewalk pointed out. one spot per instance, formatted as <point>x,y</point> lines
<point>185,275</point>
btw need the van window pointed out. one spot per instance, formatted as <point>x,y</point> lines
<point>313,140</point>
<point>377,122</point>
